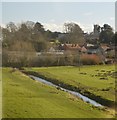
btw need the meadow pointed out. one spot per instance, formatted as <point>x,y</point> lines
<point>96,82</point>
<point>27,98</point>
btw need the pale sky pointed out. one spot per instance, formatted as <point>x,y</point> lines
<point>54,14</point>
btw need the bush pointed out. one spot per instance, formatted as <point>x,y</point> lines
<point>29,59</point>
<point>16,58</point>
<point>48,60</point>
<point>90,59</point>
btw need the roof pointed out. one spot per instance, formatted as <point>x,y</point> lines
<point>104,47</point>
<point>83,49</point>
<point>72,46</point>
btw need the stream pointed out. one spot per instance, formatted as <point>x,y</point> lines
<point>84,98</point>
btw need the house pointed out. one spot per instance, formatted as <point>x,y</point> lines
<point>52,49</point>
<point>109,50</point>
<point>105,47</point>
<point>109,61</point>
<point>94,49</point>
<point>72,47</point>
<point>83,49</point>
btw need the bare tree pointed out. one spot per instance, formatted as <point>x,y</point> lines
<point>75,33</point>
<point>11,27</point>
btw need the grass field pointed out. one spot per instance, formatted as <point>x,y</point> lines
<point>98,80</point>
<point>26,98</point>
<point>0,93</point>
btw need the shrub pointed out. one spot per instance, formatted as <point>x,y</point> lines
<point>90,59</point>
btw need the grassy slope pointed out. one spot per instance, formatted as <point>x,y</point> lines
<point>89,81</point>
<point>25,98</point>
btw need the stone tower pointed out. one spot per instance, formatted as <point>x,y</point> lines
<point>96,29</point>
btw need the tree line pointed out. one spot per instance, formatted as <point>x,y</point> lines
<point>30,37</point>
<point>36,36</point>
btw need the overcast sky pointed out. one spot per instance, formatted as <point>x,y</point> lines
<point>54,15</point>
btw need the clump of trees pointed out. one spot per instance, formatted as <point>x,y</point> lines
<point>107,34</point>
<point>29,32</point>
<point>21,42</point>
<point>73,34</point>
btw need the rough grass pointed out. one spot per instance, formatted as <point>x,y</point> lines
<point>26,98</point>
<point>99,79</point>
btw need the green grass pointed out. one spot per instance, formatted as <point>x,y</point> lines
<point>0,93</point>
<point>26,98</point>
<point>95,79</point>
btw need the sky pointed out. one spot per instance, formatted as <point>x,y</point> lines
<point>54,14</point>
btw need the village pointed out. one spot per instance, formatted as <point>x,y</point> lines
<point>58,50</point>
<point>105,51</point>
